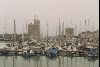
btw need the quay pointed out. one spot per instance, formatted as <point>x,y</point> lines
<point>44,53</point>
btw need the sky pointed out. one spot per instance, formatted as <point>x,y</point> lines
<point>72,12</point>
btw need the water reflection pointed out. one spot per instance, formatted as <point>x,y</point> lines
<point>42,61</point>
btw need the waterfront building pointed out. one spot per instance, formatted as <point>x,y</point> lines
<point>96,36</point>
<point>90,35</point>
<point>86,35</point>
<point>34,29</point>
<point>89,38</point>
<point>10,37</point>
<point>69,33</point>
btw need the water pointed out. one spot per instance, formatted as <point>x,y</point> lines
<point>42,61</point>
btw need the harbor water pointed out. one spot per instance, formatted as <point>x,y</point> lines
<point>43,61</point>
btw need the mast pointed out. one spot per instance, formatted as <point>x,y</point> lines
<point>23,34</point>
<point>63,33</point>
<point>59,32</point>
<point>14,40</point>
<point>26,30</point>
<point>5,23</point>
<point>71,24</point>
<point>85,26</point>
<point>75,30</point>
<point>63,28</point>
<point>47,32</point>
<point>5,28</point>
<point>5,32</point>
<point>26,26</point>
<point>88,25</point>
<point>59,28</point>
<point>56,30</point>
<point>14,32</point>
<point>92,28</point>
<point>80,28</point>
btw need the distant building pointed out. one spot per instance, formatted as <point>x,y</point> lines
<point>96,35</point>
<point>10,37</point>
<point>1,35</point>
<point>69,33</point>
<point>86,35</point>
<point>90,36</point>
<point>30,30</point>
<point>34,30</point>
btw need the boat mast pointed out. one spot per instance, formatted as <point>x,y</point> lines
<point>56,31</point>
<point>85,26</point>
<point>14,39</point>
<point>80,28</point>
<point>23,34</point>
<point>75,30</point>
<point>88,25</point>
<point>47,32</point>
<point>5,32</point>
<point>59,27</point>
<point>63,28</point>
<point>26,28</point>
<point>14,32</point>
<point>63,32</point>
<point>59,32</point>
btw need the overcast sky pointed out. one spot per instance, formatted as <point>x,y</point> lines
<point>72,12</point>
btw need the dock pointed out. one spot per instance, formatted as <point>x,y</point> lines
<point>44,53</point>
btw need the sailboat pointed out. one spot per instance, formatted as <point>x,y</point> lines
<point>52,51</point>
<point>90,49</point>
